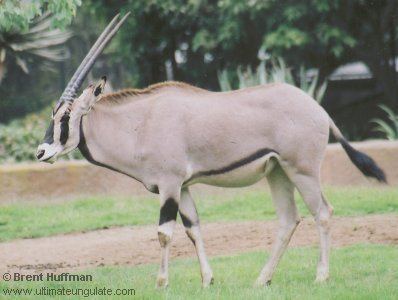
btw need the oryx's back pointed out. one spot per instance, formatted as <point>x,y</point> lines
<point>209,130</point>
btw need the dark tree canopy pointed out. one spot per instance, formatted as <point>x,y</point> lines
<point>193,40</point>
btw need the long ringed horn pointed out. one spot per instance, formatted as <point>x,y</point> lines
<point>68,93</point>
<point>97,52</point>
<point>87,63</point>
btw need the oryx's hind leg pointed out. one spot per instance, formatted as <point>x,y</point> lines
<point>190,219</point>
<point>308,184</point>
<point>282,190</point>
<point>169,200</point>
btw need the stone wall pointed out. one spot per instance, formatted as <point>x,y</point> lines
<point>63,180</point>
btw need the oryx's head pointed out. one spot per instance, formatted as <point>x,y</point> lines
<point>63,134</point>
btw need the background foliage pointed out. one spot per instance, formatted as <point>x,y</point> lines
<point>273,72</point>
<point>31,36</point>
<point>195,40</point>
<point>15,16</point>
<point>19,138</point>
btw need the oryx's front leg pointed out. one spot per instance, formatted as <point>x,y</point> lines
<point>169,199</point>
<point>190,219</point>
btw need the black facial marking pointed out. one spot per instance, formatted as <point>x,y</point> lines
<point>49,136</point>
<point>57,109</point>
<point>98,90</point>
<point>187,222</point>
<point>64,129</point>
<point>168,212</point>
<point>237,164</point>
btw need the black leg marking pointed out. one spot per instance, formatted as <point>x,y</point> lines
<point>191,238</point>
<point>168,211</point>
<point>185,220</point>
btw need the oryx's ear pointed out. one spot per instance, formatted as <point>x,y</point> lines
<point>99,87</point>
<point>91,95</point>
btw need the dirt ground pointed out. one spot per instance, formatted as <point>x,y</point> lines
<point>139,244</point>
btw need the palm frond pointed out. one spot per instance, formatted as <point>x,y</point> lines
<point>385,128</point>
<point>39,42</point>
<point>22,64</point>
<point>389,130</point>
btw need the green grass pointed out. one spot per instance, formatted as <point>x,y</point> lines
<point>357,272</point>
<point>27,219</point>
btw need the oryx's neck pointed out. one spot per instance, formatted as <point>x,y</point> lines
<point>108,138</point>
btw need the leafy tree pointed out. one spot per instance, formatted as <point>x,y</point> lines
<point>328,33</point>
<point>18,36</point>
<point>184,40</point>
<point>192,40</point>
<point>197,38</point>
<point>15,15</point>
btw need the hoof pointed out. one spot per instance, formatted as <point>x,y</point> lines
<point>207,280</point>
<point>262,283</point>
<point>322,277</point>
<point>162,282</point>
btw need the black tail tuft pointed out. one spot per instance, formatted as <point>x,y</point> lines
<point>363,162</point>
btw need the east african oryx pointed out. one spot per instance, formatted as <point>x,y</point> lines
<point>172,135</point>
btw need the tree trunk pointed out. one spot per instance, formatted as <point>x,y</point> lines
<point>385,81</point>
<point>2,71</point>
<point>380,58</point>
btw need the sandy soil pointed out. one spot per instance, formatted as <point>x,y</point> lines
<point>139,244</point>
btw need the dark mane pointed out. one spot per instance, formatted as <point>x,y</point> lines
<point>123,95</point>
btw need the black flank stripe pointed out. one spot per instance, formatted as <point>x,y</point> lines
<point>168,211</point>
<point>258,154</point>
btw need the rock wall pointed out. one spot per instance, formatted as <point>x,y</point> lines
<point>63,180</point>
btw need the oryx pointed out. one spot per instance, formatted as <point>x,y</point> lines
<point>172,135</point>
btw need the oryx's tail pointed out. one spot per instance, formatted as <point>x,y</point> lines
<point>362,161</point>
